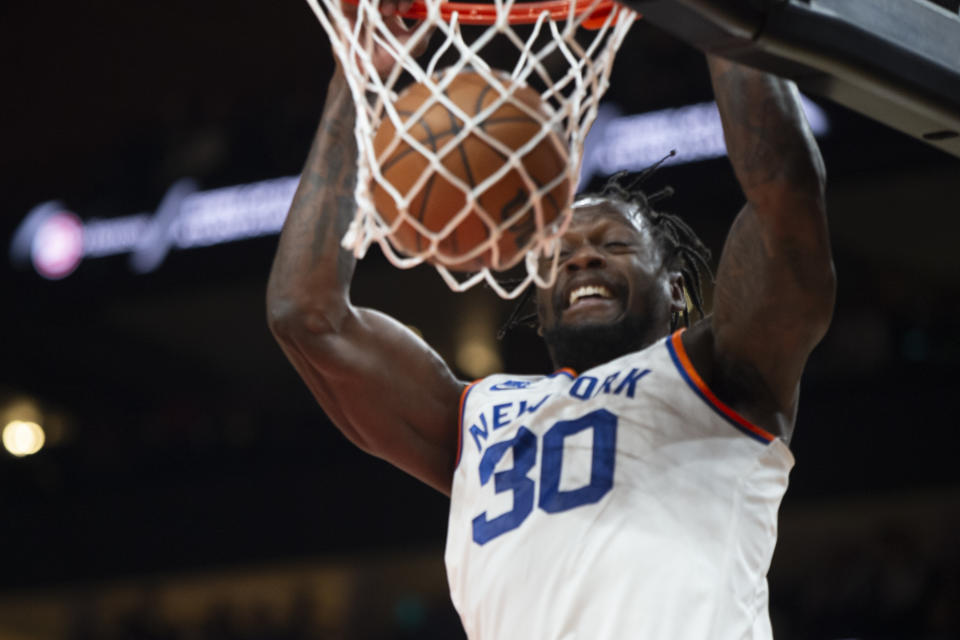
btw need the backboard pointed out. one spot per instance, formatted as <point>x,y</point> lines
<point>897,61</point>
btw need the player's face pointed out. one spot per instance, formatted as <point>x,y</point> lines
<point>610,269</point>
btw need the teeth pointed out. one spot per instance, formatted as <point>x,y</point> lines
<point>589,290</point>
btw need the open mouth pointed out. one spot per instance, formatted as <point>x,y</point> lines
<point>588,292</point>
<point>595,300</point>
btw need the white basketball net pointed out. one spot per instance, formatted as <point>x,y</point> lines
<point>568,64</point>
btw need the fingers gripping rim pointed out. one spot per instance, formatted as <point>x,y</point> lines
<point>360,36</point>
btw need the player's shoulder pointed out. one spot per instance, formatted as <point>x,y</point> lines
<point>736,383</point>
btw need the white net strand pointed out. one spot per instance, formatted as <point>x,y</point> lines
<point>570,65</point>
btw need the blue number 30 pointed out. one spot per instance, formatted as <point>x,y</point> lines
<point>552,499</point>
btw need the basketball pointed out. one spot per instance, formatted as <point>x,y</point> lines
<point>438,201</point>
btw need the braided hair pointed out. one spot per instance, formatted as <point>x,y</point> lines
<point>681,247</point>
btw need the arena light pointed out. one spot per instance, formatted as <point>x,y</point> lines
<point>634,142</point>
<point>23,437</point>
<point>55,240</point>
<point>477,352</point>
<point>185,219</point>
<point>477,357</point>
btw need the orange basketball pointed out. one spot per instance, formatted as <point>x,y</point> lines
<point>438,201</point>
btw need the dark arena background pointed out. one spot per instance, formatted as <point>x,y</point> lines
<point>188,487</point>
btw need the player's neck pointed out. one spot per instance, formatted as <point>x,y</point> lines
<point>584,347</point>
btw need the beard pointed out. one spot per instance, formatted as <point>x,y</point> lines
<point>586,346</point>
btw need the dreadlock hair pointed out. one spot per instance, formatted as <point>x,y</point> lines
<point>682,248</point>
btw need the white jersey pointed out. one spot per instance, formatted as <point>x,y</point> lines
<point>626,502</point>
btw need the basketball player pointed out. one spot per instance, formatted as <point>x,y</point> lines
<point>633,493</point>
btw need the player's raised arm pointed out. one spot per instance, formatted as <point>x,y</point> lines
<point>386,390</point>
<point>775,283</point>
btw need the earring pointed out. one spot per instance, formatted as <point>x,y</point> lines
<point>679,319</point>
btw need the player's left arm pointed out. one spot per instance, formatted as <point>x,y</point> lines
<point>775,283</point>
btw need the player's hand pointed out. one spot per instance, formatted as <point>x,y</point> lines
<point>391,7</point>
<point>391,11</point>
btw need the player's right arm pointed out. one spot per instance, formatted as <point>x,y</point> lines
<point>382,386</point>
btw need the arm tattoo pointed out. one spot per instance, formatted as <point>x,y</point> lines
<point>310,263</point>
<point>766,131</point>
<point>330,178</point>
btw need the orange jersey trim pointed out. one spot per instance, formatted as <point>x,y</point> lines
<point>682,360</point>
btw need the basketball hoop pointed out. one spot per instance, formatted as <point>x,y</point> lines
<point>474,13</point>
<point>562,49</point>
